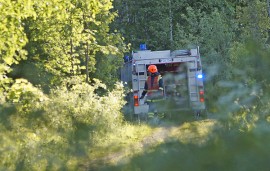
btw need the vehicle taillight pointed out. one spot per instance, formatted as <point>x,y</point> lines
<point>201,92</point>
<point>201,95</point>
<point>136,100</point>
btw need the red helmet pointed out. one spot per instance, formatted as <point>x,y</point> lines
<point>152,69</point>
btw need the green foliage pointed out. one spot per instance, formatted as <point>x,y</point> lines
<point>144,22</point>
<point>249,86</point>
<point>253,21</point>
<point>80,102</point>
<point>12,37</point>
<point>107,69</point>
<point>49,132</point>
<point>53,36</point>
<point>167,24</point>
<point>223,151</point>
<point>53,132</point>
<point>26,95</point>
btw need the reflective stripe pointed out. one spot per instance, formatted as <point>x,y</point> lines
<point>152,90</point>
<point>161,115</point>
<point>151,114</point>
<point>155,100</point>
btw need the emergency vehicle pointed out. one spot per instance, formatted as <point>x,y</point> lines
<point>182,75</point>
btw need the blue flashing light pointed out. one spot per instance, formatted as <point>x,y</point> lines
<point>143,47</point>
<point>200,76</point>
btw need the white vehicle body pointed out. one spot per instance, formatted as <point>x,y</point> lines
<point>181,70</point>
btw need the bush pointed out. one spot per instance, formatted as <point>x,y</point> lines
<point>54,132</point>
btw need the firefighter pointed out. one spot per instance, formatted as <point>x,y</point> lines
<point>154,89</point>
<point>154,84</point>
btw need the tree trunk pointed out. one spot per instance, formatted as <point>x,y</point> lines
<point>87,61</point>
<point>268,7</point>
<point>171,24</point>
